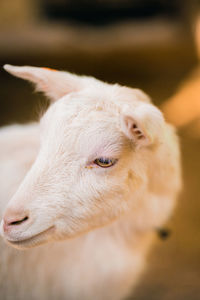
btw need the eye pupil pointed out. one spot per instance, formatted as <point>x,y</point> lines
<point>105,162</point>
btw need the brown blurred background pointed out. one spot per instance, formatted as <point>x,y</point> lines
<point>148,44</point>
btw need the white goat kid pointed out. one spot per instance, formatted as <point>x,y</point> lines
<point>104,175</point>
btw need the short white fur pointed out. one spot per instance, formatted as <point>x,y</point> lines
<point>106,218</point>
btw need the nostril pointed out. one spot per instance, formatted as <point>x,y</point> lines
<point>14,218</point>
<point>18,222</point>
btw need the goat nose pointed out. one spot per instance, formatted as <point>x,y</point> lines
<point>14,219</point>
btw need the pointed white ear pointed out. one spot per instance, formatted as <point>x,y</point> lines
<point>144,126</point>
<point>53,83</point>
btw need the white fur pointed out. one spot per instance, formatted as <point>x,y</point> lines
<point>105,217</point>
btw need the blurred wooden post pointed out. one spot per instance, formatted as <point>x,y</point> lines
<point>184,107</point>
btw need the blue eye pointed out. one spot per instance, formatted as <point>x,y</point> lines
<point>105,162</point>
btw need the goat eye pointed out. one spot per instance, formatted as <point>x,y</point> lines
<point>105,162</point>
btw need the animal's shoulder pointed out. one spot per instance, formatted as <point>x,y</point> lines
<point>18,148</point>
<point>15,138</point>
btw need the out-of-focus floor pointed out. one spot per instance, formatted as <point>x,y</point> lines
<point>173,271</point>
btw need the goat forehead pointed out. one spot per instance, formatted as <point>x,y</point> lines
<point>76,113</point>
<point>86,126</point>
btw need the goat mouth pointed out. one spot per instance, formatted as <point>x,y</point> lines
<point>32,241</point>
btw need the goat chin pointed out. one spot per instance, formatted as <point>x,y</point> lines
<point>33,241</point>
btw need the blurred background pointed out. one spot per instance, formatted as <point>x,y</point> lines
<point>149,44</point>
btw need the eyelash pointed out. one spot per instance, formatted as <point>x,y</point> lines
<point>105,162</point>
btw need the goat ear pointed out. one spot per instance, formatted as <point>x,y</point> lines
<point>53,83</point>
<point>144,126</point>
